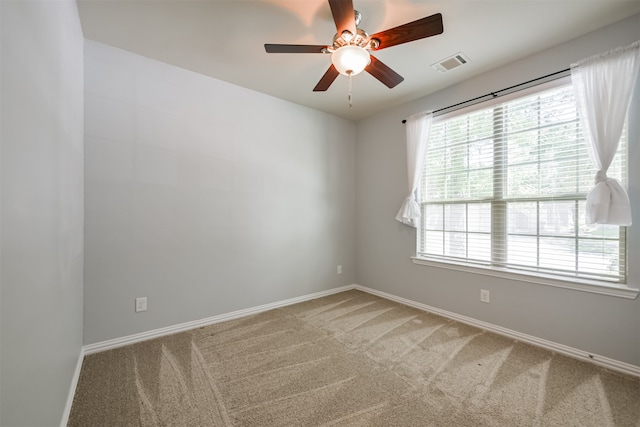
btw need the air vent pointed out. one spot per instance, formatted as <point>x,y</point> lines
<point>450,63</point>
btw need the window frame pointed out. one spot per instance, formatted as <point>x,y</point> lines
<point>491,269</point>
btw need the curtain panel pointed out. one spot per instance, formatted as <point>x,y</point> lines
<point>603,85</point>
<point>418,127</point>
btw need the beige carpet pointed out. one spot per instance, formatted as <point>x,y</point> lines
<point>349,359</point>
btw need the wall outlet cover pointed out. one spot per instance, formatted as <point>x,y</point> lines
<point>485,296</point>
<point>141,304</point>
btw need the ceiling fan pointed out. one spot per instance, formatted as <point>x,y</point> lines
<point>350,50</point>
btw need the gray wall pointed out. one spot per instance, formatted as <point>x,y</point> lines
<point>604,325</point>
<point>206,197</point>
<point>42,209</point>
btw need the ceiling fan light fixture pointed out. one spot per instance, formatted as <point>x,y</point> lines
<point>350,60</point>
<point>351,45</point>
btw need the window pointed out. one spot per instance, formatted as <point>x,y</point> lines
<point>504,187</point>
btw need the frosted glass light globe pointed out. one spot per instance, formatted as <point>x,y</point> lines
<point>350,60</point>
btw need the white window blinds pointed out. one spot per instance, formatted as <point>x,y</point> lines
<point>505,187</point>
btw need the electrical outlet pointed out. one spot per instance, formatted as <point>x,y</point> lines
<point>339,269</point>
<point>141,304</point>
<point>485,296</point>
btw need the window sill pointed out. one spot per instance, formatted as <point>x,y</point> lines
<point>592,286</point>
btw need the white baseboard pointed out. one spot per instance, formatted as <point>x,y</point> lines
<point>156,333</point>
<point>603,361</point>
<point>72,389</point>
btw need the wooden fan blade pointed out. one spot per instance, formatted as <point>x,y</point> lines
<point>425,27</point>
<point>327,79</point>
<point>294,48</point>
<point>343,15</point>
<point>383,73</point>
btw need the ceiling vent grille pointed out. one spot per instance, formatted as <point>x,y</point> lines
<point>450,63</point>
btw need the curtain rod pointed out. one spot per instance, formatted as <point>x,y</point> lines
<point>494,94</point>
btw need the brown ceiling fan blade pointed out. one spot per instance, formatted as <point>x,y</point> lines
<point>343,15</point>
<point>425,27</point>
<point>327,79</point>
<point>383,73</point>
<point>294,48</point>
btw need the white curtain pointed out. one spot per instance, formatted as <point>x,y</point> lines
<point>417,127</point>
<point>603,85</point>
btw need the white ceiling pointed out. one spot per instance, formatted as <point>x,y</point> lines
<point>225,39</point>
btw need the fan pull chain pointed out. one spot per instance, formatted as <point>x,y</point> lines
<point>350,93</point>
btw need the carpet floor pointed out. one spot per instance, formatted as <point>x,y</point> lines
<point>348,359</point>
